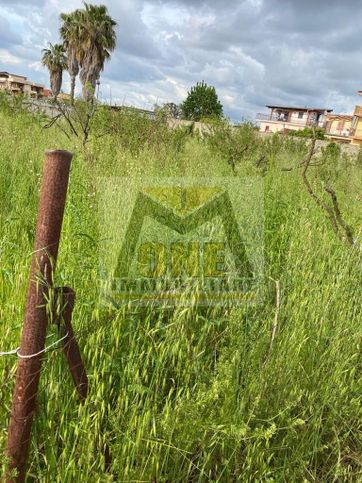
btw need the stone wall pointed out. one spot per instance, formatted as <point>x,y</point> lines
<point>199,127</point>
<point>350,149</point>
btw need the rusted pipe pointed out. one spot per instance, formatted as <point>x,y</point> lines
<point>48,229</point>
<point>71,348</point>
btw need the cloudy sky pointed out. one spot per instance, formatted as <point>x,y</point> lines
<point>288,52</point>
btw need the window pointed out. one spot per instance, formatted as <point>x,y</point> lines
<point>300,115</point>
<point>266,128</point>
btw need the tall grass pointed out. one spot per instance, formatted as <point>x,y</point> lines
<point>189,394</point>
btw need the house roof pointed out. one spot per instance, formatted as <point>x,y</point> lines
<point>339,117</point>
<point>304,109</point>
<point>8,74</point>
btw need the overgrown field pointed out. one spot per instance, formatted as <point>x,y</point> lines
<point>190,395</point>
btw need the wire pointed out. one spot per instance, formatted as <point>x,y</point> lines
<point>10,353</point>
<point>30,356</point>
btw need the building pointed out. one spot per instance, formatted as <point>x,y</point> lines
<point>47,93</point>
<point>20,85</point>
<point>135,110</point>
<point>64,96</point>
<point>356,128</point>
<point>284,119</point>
<point>338,127</point>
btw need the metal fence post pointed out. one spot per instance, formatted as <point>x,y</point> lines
<point>48,229</point>
<point>70,346</point>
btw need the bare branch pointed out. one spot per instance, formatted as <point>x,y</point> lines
<point>337,213</point>
<point>276,316</point>
<point>260,161</point>
<point>67,118</point>
<point>328,210</point>
<point>339,225</point>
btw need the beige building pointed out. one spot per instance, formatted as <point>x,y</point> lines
<point>63,96</point>
<point>338,127</point>
<point>356,129</point>
<point>284,119</point>
<point>20,85</point>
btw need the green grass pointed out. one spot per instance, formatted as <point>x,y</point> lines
<point>191,395</point>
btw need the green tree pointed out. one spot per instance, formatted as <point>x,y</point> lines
<point>70,33</point>
<point>202,102</point>
<point>55,59</point>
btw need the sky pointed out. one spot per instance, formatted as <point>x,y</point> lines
<point>255,52</point>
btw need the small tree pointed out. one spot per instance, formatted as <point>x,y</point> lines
<point>55,60</point>
<point>170,110</point>
<point>202,102</point>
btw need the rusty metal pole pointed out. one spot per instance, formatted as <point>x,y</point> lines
<point>70,345</point>
<point>48,229</point>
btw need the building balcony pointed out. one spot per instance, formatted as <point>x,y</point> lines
<point>263,117</point>
<point>339,133</point>
<point>294,121</point>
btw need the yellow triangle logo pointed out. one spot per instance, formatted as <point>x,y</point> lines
<point>182,200</point>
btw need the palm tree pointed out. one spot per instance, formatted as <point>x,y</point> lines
<point>55,60</point>
<point>70,33</point>
<point>96,39</point>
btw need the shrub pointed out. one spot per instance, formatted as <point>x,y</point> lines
<point>309,132</point>
<point>233,143</point>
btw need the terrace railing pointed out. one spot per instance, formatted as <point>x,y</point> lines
<point>298,122</point>
<point>339,132</point>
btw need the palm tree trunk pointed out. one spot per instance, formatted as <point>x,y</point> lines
<point>72,88</point>
<point>89,87</point>
<point>89,75</point>
<point>56,82</point>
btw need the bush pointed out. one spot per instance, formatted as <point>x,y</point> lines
<point>309,132</point>
<point>233,143</point>
<point>134,131</point>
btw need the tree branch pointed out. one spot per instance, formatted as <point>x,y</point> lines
<point>339,226</point>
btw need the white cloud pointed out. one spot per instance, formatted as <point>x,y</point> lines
<point>7,58</point>
<point>253,51</point>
